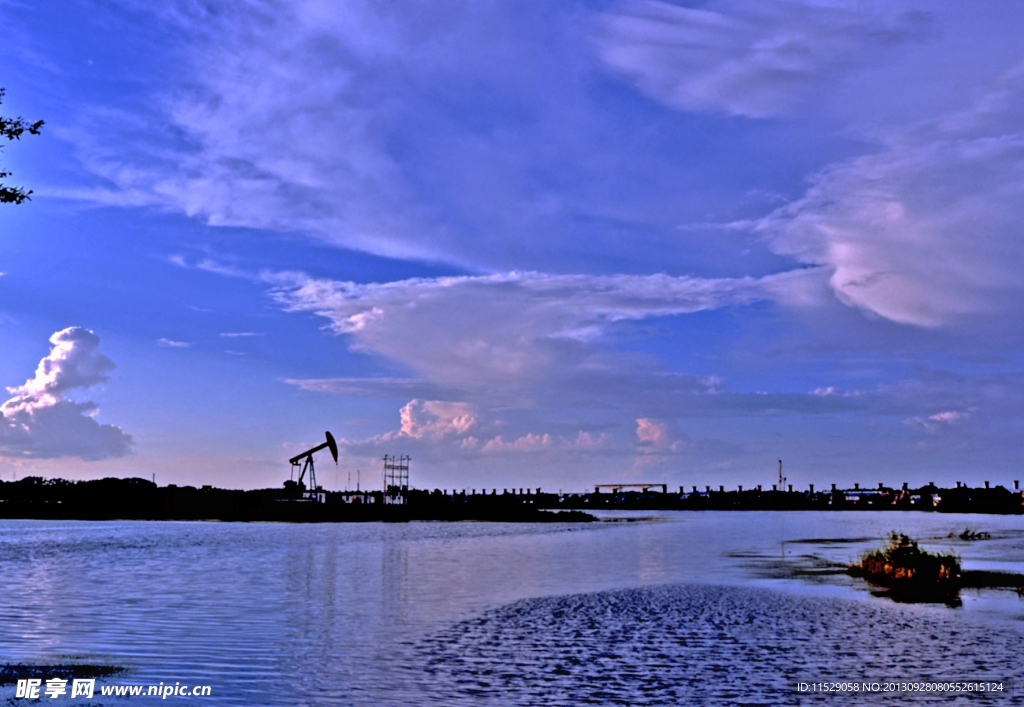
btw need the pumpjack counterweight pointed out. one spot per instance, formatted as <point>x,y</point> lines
<point>304,462</point>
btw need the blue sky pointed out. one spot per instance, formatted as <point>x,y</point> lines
<point>529,244</point>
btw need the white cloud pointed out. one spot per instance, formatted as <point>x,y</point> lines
<point>654,443</point>
<point>73,362</point>
<point>375,387</point>
<point>933,424</point>
<point>39,422</point>
<point>527,443</point>
<point>517,328</point>
<point>656,437</point>
<point>533,341</point>
<point>290,114</point>
<point>927,231</point>
<point>436,419</point>
<point>468,133</point>
<point>425,425</point>
<point>754,58</point>
<point>651,434</point>
<point>281,132</point>
<point>442,431</point>
<point>540,442</point>
<point>587,440</point>
<point>239,334</point>
<point>170,343</point>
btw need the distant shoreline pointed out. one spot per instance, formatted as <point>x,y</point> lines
<point>140,499</point>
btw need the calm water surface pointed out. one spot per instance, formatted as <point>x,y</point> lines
<point>685,608</point>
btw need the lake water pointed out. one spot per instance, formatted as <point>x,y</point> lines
<point>682,608</point>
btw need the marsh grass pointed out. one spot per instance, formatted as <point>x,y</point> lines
<point>911,574</point>
<point>970,533</point>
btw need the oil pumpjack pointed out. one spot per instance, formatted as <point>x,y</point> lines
<point>306,461</point>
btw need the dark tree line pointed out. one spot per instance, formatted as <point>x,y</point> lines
<point>13,129</point>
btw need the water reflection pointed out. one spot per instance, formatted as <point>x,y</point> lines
<point>338,614</point>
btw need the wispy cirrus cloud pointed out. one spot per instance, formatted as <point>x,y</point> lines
<point>461,135</point>
<point>377,387</point>
<point>309,116</point>
<point>749,58</point>
<point>298,117</point>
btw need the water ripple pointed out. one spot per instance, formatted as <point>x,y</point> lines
<point>673,645</point>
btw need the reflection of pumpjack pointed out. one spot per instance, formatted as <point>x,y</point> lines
<point>315,493</point>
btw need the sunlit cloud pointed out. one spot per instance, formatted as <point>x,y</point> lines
<point>666,219</point>
<point>538,442</point>
<point>39,422</point>
<point>940,421</point>
<point>926,231</point>
<point>515,328</point>
<point>436,419</point>
<point>654,436</point>
<point>435,430</point>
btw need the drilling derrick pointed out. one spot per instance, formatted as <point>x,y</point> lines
<point>396,479</point>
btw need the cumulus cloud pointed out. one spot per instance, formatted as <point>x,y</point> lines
<point>527,443</point>
<point>754,58</point>
<point>436,419</point>
<point>74,362</point>
<point>534,442</point>
<point>656,438</point>
<point>425,424</point>
<point>39,422</point>
<point>436,430</point>
<point>933,424</point>
<point>926,231</point>
<point>655,442</point>
<point>652,435</point>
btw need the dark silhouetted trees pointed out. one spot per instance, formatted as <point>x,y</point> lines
<point>12,129</point>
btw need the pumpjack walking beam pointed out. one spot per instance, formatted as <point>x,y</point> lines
<point>306,460</point>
